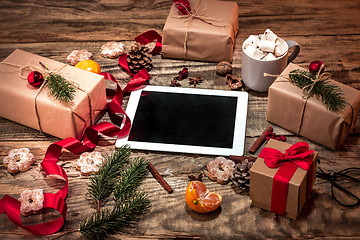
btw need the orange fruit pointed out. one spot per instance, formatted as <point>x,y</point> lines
<point>200,199</point>
<point>89,65</point>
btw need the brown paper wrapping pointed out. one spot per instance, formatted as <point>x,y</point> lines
<point>209,40</point>
<point>56,118</point>
<point>261,180</point>
<point>286,104</point>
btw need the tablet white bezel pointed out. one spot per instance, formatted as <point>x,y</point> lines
<point>239,129</point>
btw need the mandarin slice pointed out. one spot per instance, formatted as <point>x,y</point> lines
<point>200,199</point>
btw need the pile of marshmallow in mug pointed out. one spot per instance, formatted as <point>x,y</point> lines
<point>265,47</point>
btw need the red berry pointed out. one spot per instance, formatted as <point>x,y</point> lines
<point>184,73</point>
<point>316,66</point>
<point>35,79</point>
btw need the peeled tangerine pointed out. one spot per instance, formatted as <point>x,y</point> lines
<point>200,199</point>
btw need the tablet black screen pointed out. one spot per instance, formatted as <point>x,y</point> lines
<point>186,119</point>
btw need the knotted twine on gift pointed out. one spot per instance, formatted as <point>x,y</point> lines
<point>46,72</point>
<point>199,12</point>
<point>308,92</point>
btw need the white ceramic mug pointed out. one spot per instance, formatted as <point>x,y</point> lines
<point>252,70</point>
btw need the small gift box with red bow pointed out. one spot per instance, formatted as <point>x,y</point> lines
<point>282,177</point>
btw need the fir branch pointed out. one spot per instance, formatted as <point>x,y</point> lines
<point>130,178</point>
<point>102,184</point>
<point>104,223</point>
<point>60,88</point>
<point>331,95</point>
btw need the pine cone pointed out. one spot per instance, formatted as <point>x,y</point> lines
<point>241,175</point>
<point>139,58</point>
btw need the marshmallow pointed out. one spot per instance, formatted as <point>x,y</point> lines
<point>258,54</point>
<point>252,40</point>
<point>267,46</point>
<point>281,47</point>
<point>269,57</point>
<point>269,35</point>
<point>250,50</point>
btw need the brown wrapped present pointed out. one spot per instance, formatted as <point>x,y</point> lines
<point>273,196</point>
<point>206,34</point>
<point>19,100</point>
<point>310,118</point>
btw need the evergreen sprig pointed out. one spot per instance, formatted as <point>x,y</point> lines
<point>102,184</point>
<point>130,178</point>
<point>330,94</point>
<point>104,223</point>
<point>60,88</point>
<point>122,176</point>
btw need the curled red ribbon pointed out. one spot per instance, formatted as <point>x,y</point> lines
<point>57,201</point>
<point>148,37</point>
<point>298,155</point>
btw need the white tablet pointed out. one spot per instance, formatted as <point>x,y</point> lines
<point>187,120</point>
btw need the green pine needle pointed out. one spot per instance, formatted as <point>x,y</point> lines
<point>130,178</point>
<point>331,95</point>
<point>102,184</point>
<point>60,88</point>
<point>121,176</point>
<point>104,223</point>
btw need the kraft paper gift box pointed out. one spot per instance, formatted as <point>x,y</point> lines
<point>208,34</point>
<point>17,97</point>
<point>288,108</point>
<point>299,187</point>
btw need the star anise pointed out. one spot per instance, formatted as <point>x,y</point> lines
<point>195,80</point>
<point>198,178</point>
<point>174,83</point>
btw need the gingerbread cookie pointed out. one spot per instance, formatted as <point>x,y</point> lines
<point>19,160</point>
<point>32,202</point>
<point>79,55</point>
<point>112,50</point>
<point>89,163</point>
<point>220,170</point>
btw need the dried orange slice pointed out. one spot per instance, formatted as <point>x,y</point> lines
<point>200,199</point>
<point>89,65</point>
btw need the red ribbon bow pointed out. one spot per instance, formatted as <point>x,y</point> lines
<point>298,155</point>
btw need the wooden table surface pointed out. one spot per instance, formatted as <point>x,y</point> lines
<point>326,29</point>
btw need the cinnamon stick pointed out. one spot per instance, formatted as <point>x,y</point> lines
<point>239,159</point>
<point>261,139</point>
<point>159,178</point>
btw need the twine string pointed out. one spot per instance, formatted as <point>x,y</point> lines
<point>198,13</point>
<point>45,71</point>
<point>307,92</point>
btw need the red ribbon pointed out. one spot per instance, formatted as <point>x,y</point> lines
<point>57,201</point>
<point>148,37</point>
<point>298,155</point>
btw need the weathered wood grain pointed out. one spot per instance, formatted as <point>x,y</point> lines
<point>326,30</point>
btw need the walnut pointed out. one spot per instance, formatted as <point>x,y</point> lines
<point>223,68</point>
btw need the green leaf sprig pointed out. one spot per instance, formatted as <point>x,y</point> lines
<point>331,95</point>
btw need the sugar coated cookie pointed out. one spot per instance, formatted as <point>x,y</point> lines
<point>112,50</point>
<point>89,163</point>
<point>79,55</point>
<point>32,202</point>
<point>220,170</point>
<point>19,160</point>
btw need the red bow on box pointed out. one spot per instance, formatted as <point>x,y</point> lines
<point>298,155</point>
